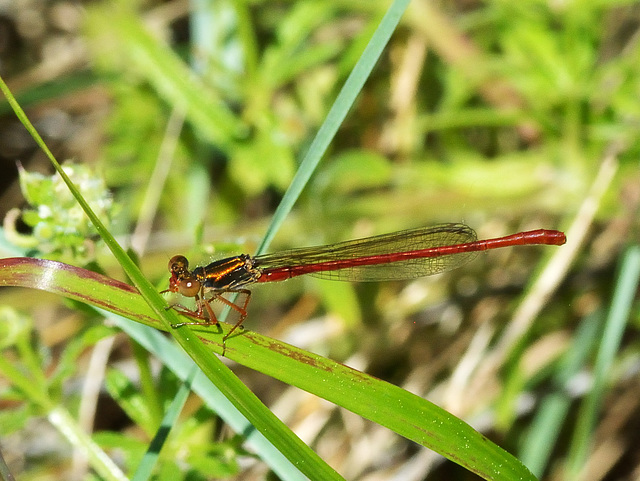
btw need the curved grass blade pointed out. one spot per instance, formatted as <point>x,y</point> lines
<point>181,365</point>
<point>336,116</point>
<point>401,411</point>
<point>240,395</point>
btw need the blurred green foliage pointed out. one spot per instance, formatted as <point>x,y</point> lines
<point>519,124</point>
<point>60,228</point>
<point>495,112</point>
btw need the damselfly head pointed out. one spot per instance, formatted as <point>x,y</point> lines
<point>179,265</point>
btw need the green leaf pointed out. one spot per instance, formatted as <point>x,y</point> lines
<point>401,411</point>
<point>307,461</point>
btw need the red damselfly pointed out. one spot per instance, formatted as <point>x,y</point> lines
<point>401,255</point>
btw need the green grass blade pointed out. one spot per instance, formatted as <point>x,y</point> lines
<point>150,458</point>
<point>617,319</point>
<point>336,116</point>
<point>104,466</point>
<point>388,405</point>
<point>181,365</point>
<point>552,414</point>
<point>242,397</point>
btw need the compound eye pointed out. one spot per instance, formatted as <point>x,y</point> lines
<point>189,287</point>
<point>178,264</point>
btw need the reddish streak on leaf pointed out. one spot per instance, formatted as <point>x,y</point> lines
<point>76,283</point>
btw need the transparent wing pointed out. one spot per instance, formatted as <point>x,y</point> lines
<point>402,255</point>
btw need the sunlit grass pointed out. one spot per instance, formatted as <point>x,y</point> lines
<point>498,116</point>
